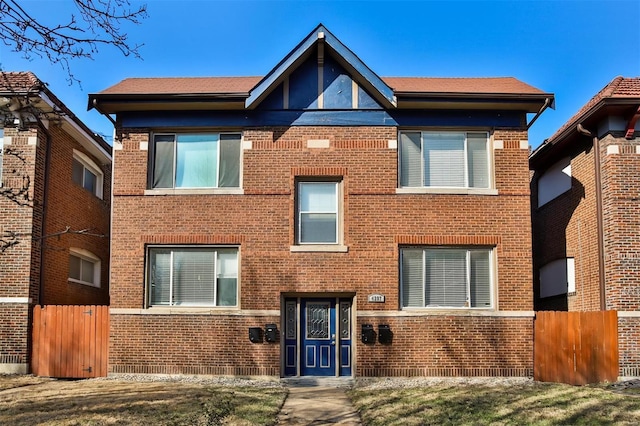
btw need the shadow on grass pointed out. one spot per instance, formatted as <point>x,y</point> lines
<point>114,402</point>
<point>522,405</point>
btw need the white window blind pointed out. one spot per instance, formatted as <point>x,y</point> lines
<point>193,276</point>
<point>318,212</point>
<point>446,277</point>
<point>444,159</point>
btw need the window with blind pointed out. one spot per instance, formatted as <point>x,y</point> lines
<point>84,267</point>
<point>444,160</point>
<point>206,160</point>
<point>193,276</point>
<point>318,213</point>
<point>446,277</point>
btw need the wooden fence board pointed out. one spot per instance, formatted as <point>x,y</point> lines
<point>70,341</point>
<point>576,347</point>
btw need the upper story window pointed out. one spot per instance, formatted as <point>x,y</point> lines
<point>444,160</point>
<point>84,267</point>
<point>555,181</point>
<point>87,174</point>
<point>192,276</point>
<point>318,213</point>
<point>196,160</point>
<point>456,277</point>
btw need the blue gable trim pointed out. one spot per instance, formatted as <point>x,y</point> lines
<point>374,84</point>
<point>246,119</point>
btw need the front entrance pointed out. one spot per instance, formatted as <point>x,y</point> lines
<point>318,337</point>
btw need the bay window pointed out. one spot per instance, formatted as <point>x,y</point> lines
<point>192,276</point>
<point>437,277</point>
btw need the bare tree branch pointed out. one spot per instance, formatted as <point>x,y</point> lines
<point>9,239</point>
<point>100,24</point>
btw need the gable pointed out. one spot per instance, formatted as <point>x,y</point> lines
<point>319,53</point>
<point>320,82</point>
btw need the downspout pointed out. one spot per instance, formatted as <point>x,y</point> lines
<point>45,205</point>
<point>599,214</point>
<point>113,171</point>
<point>547,103</point>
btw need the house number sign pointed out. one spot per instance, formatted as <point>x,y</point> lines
<point>376,298</point>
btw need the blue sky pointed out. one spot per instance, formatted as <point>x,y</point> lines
<point>571,48</point>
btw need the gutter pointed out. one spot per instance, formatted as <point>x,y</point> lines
<point>547,102</point>
<point>95,105</point>
<point>599,214</point>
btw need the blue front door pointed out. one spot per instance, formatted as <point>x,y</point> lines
<point>321,345</point>
<point>318,321</point>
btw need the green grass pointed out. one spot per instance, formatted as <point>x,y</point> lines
<point>535,404</point>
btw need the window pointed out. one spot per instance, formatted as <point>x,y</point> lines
<point>446,277</point>
<point>555,181</point>
<point>444,159</point>
<point>193,276</point>
<point>84,267</point>
<point>558,277</point>
<point>87,174</point>
<point>204,160</point>
<point>318,213</point>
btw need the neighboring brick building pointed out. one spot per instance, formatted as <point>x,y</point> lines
<point>586,242</point>
<point>325,201</point>
<point>55,178</point>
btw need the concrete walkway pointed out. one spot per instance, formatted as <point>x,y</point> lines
<point>318,402</point>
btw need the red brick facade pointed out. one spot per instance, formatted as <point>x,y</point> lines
<point>377,221</point>
<point>36,269</point>
<point>567,225</point>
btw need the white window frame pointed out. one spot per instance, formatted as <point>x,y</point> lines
<point>92,167</point>
<point>173,188</point>
<point>336,212</point>
<point>466,189</point>
<point>467,250</point>
<point>87,256</point>
<point>212,248</point>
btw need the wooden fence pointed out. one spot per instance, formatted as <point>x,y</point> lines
<point>70,341</point>
<point>576,347</point>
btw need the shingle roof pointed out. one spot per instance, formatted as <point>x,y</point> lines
<point>243,85</point>
<point>183,85</point>
<point>19,81</point>
<point>502,85</point>
<point>618,88</point>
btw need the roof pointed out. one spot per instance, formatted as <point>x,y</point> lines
<point>484,85</point>
<point>621,92</point>
<point>25,83</point>
<point>245,93</point>
<point>243,85</point>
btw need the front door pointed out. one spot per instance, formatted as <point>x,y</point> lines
<point>321,345</point>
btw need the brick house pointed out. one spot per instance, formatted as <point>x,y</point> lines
<point>586,217</point>
<point>54,203</point>
<point>321,220</point>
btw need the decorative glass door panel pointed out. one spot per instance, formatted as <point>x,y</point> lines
<point>318,340</point>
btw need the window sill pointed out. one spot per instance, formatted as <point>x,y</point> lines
<point>195,191</point>
<point>88,284</point>
<point>319,248</point>
<point>452,191</point>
